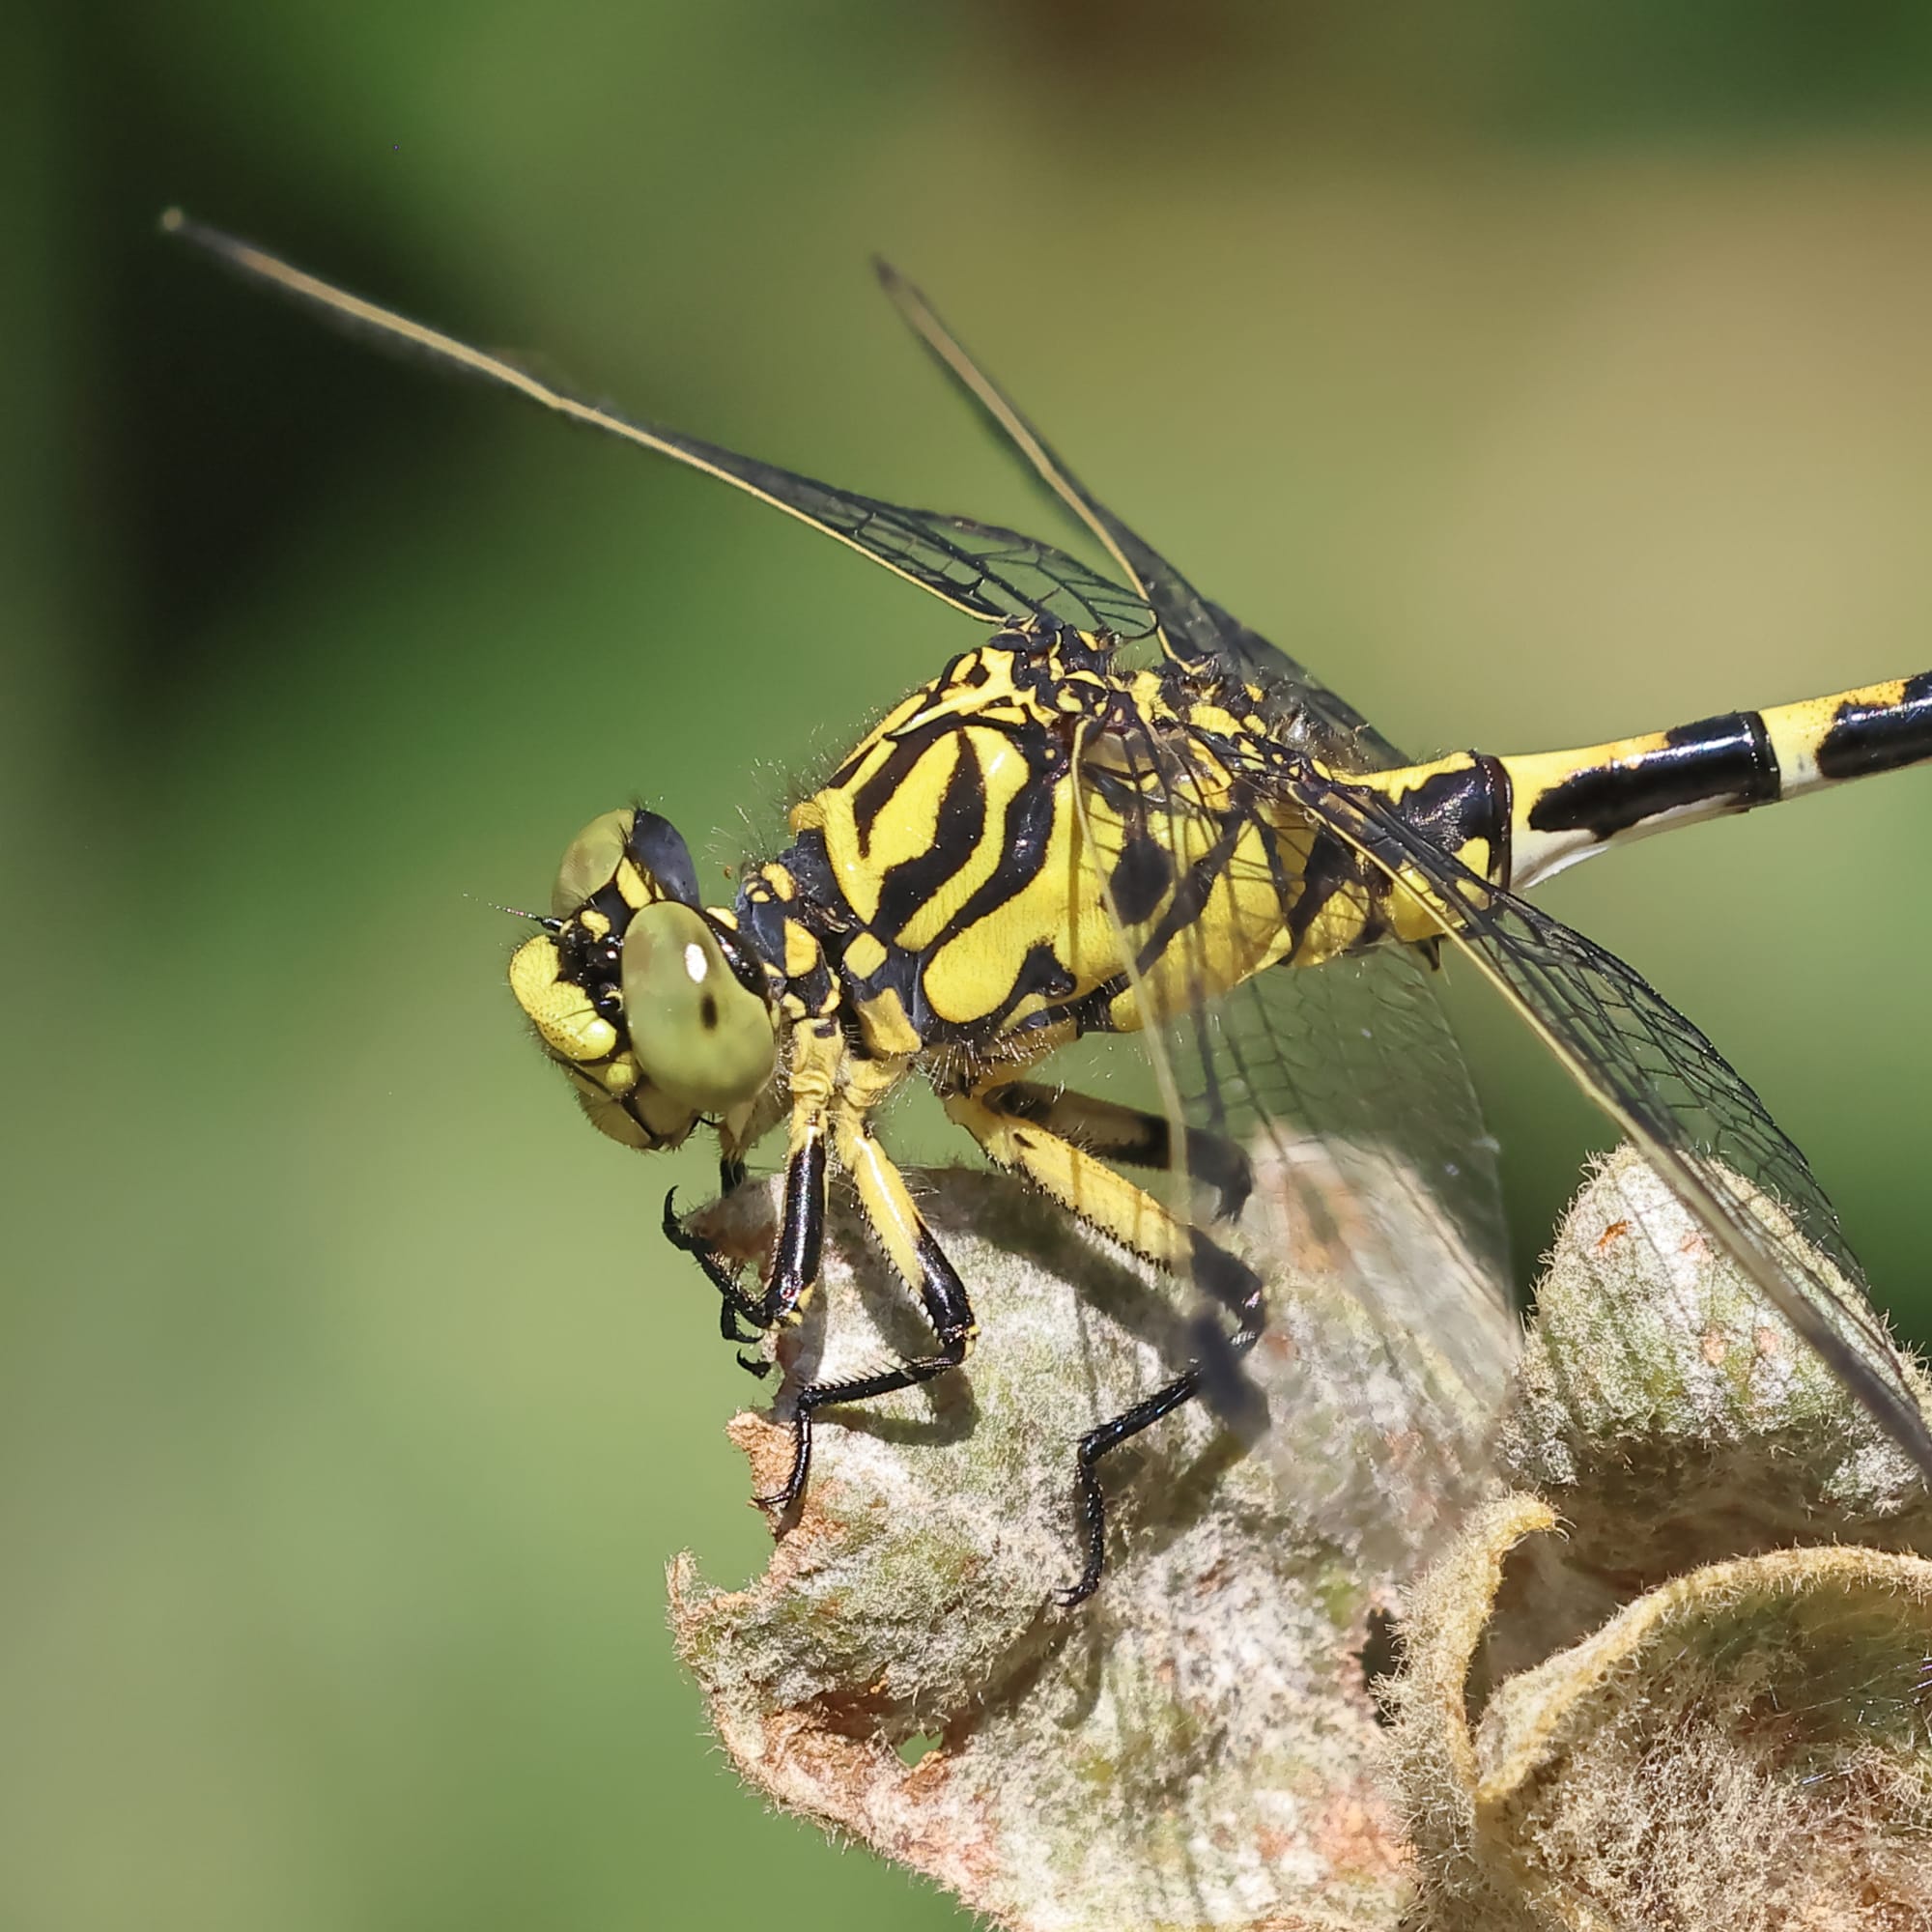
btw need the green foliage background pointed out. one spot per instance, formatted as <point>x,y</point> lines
<point>1537,374</point>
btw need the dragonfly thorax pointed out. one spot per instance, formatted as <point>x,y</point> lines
<point>644,998</point>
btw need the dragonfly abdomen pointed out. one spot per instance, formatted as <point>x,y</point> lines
<point>1568,804</point>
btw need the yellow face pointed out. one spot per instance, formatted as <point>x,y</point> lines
<point>633,992</point>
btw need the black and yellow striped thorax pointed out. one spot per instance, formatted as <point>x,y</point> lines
<point>1040,843</point>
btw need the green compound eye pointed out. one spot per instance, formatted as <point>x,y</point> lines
<point>590,861</point>
<point>698,1035</point>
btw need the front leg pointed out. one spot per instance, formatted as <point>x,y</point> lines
<point>793,1271</point>
<point>734,1303</point>
<point>915,1254</point>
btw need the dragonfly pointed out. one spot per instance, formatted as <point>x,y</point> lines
<point>1123,812</point>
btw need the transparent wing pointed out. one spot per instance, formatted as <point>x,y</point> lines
<point>1375,1214</point>
<point>1664,1083</point>
<point>1192,629</point>
<point>995,575</point>
<point>1377,1191</point>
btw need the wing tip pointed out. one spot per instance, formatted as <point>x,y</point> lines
<point>175,222</point>
<point>904,295</point>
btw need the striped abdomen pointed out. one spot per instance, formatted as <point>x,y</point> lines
<point>1566,805</point>
<point>1520,819</point>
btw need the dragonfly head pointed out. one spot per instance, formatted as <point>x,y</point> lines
<point>647,1001</point>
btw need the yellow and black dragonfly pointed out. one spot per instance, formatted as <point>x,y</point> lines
<point>1125,812</point>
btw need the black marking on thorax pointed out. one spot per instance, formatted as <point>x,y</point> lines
<point>877,792</point>
<point>959,826</point>
<point>819,906</point>
<point>1332,868</point>
<point>1141,876</point>
<point>1024,837</point>
<point>1192,891</point>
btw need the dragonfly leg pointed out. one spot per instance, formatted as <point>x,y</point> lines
<point>795,1262</point>
<point>1129,1134</point>
<point>1129,1215</point>
<point>734,1305</point>
<point>832,1096</point>
<point>793,1272</point>
<point>920,1263</point>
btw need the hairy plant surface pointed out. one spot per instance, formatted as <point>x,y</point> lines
<point>1642,1685</point>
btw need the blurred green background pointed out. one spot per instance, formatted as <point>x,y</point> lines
<point>1536,373</point>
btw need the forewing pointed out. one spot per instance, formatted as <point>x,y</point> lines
<point>1192,629</point>
<point>1664,1083</point>
<point>995,575</point>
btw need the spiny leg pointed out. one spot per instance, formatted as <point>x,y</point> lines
<point>795,1259</point>
<point>801,1236</point>
<point>920,1262</point>
<point>1129,1134</point>
<point>1129,1215</point>
<point>734,1303</point>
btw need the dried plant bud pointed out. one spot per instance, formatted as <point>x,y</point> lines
<point>1607,1728</point>
<point>1745,1748</point>
<point>1198,1745</point>
<point>1194,1747</point>
<point>1673,1420</point>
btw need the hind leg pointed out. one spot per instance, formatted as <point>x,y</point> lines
<point>1130,1215</point>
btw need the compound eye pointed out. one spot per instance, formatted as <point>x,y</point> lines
<point>590,861</point>
<point>699,1034</point>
